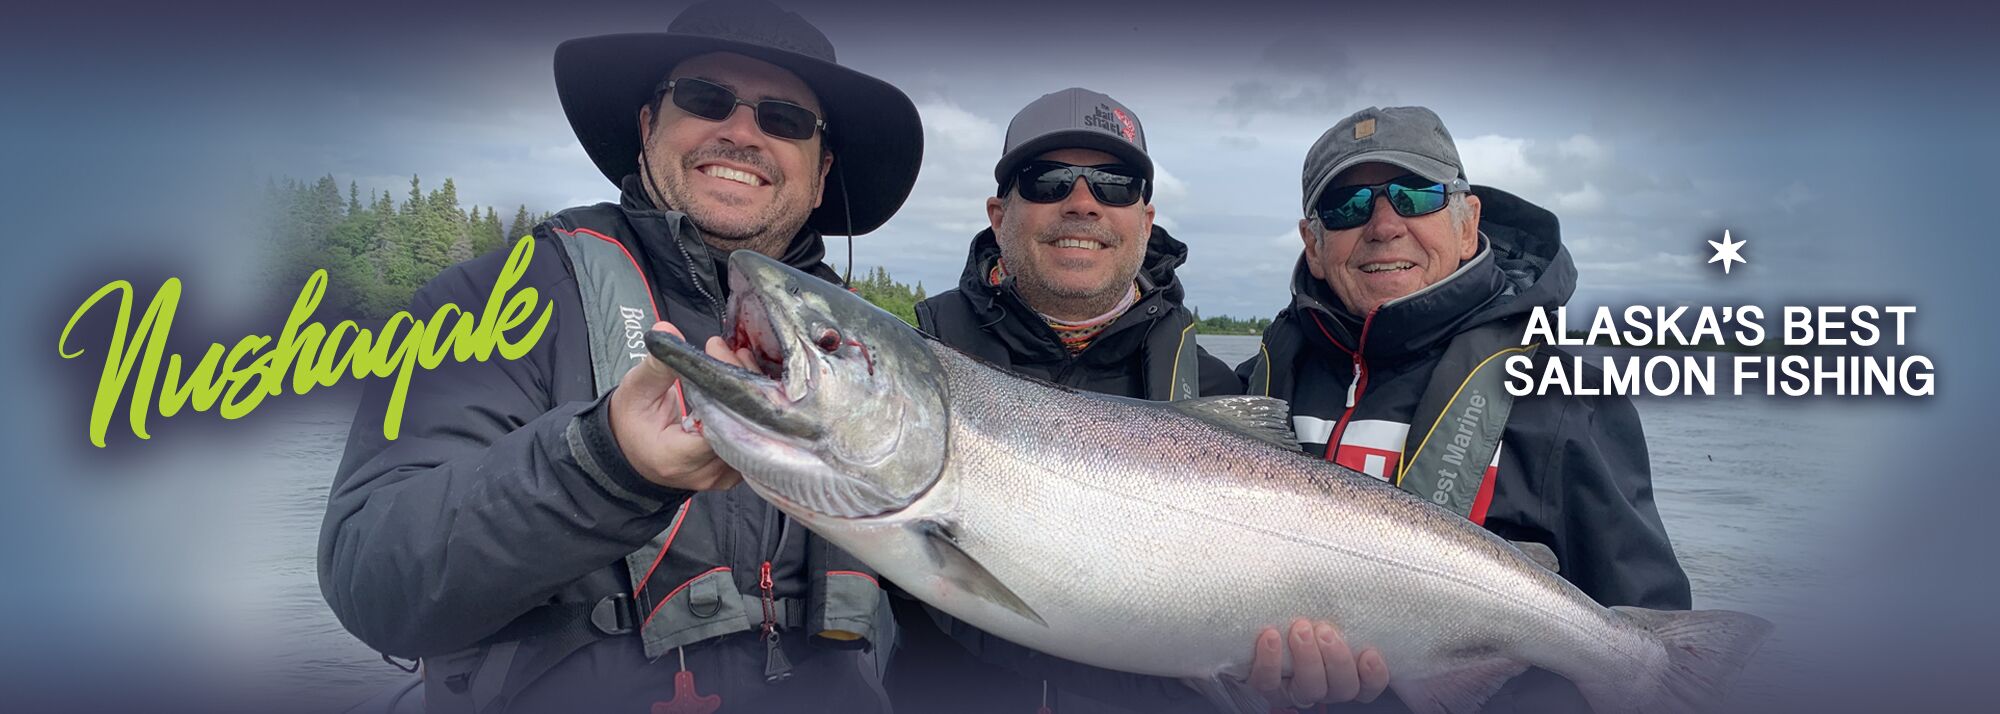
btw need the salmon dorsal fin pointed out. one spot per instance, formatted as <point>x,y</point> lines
<point>1265,419</point>
<point>1541,554</point>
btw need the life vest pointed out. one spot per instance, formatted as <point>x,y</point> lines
<point>683,588</point>
<point>700,603</point>
<point>1451,445</point>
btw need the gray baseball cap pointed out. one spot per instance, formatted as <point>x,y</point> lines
<point>1410,137</point>
<point>1074,118</point>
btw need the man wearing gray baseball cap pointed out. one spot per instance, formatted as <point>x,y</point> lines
<point>1074,283</point>
<point>1411,281</point>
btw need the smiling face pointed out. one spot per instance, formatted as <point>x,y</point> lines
<point>1390,256</point>
<point>744,188</point>
<point>1075,258</point>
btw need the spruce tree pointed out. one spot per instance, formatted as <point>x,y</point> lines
<point>447,230</point>
<point>376,253</point>
<point>522,225</point>
<point>491,235</point>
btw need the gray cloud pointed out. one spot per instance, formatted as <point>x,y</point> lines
<point>1237,141</point>
<point>1641,153</point>
<point>1298,75</point>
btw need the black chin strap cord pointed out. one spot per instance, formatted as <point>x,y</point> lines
<point>646,172</point>
<point>848,213</point>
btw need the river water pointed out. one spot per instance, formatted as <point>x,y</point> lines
<point>1742,485</point>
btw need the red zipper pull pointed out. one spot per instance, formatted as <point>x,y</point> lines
<point>764,590</point>
<point>777,667</point>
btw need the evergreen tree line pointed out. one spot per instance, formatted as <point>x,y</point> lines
<point>1226,325</point>
<point>896,298</point>
<point>376,253</point>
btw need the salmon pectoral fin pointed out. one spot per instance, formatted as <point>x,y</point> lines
<point>965,573</point>
<point>1461,689</point>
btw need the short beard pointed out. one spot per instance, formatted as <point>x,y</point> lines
<point>768,232</point>
<point>1058,301</point>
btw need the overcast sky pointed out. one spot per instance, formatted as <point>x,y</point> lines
<point>1852,148</point>
<point>1646,134</point>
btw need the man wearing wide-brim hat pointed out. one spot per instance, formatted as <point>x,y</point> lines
<point>549,533</point>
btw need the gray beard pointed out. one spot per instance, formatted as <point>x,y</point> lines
<point>1059,303</point>
<point>1069,307</point>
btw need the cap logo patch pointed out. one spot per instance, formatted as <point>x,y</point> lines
<point>1115,121</point>
<point>1364,128</point>
<point>1125,126</point>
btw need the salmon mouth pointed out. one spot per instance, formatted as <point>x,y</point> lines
<point>748,324</point>
<point>751,396</point>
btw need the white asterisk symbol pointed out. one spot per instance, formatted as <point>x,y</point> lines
<point>1727,252</point>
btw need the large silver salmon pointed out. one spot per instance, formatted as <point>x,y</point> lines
<point>1149,538</point>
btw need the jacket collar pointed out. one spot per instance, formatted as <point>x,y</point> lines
<point>675,246</point>
<point>1407,324</point>
<point>1002,312</point>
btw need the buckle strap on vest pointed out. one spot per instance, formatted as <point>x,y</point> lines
<point>610,616</point>
<point>614,615</point>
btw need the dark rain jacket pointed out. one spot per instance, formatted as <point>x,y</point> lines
<point>1572,471</point>
<point>483,510</point>
<point>943,665</point>
<point>993,323</point>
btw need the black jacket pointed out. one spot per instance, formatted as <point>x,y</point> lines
<point>943,665</point>
<point>1005,332</point>
<point>1572,472</point>
<point>480,511</point>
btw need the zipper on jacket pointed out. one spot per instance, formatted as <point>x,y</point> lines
<point>1355,385</point>
<point>777,667</point>
<point>1354,389</point>
<point>695,277</point>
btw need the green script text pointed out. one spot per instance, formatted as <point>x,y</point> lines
<point>241,376</point>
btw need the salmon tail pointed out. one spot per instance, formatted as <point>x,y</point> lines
<point>1705,649</point>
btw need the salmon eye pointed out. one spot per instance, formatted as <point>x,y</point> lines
<point>829,340</point>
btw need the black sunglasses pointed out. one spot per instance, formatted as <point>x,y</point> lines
<point>1051,181</point>
<point>715,102</point>
<point>1410,195</point>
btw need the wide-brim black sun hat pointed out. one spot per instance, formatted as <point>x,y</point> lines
<point>873,129</point>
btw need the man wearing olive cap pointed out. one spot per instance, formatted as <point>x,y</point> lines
<point>546,534</point>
